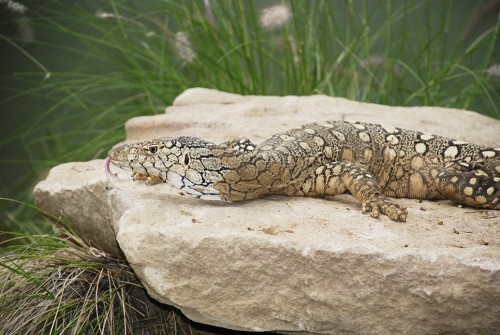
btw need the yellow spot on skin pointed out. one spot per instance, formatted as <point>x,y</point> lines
<point>337,170</point>
<point>488,154</point>
<point>490,190</point>
<point>389,154</point>
<point>319,141</point>
<point>497,168</point>
<point>307,186</point>
<point>347,155</point>
<point>320,183</point>
<point>364,137</point>
<point>417,187</point>
<point>480,199</point>
<point>420,148</point>
<point>333,184</point>
<point>338,135</point>
<point>399,172</point>
<point>392,139</point>
<point>473,181</point>
<point>287,138</point>
<point>496,179</point>
<point>325,124</point>
<point>394,185</point>
<point>468,191</point>
<point>480,173</point>
<point>367,154</point>
<point>417,163</point>
<point>426,137</point>
<point>310,131</point>
<point>358,126</point>
<point>459,142</point>
<point>284,149</point>
<point>402,153</point>
<point>328,152</point>
<point>454,179</point>
<point>305,146</point>
<point>451,152</point>
<point>389,129</point>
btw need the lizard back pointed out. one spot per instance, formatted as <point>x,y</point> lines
<point>405,163</point>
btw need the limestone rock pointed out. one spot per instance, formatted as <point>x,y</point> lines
<point>294,264</point>
<point>217,116</point>
<point>77,192</point>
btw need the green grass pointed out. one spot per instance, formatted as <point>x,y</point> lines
<point>94,64</point>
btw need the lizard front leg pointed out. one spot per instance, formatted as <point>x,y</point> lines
<point>147,178</point>
<point>472,184</point>
<point>338,177</point>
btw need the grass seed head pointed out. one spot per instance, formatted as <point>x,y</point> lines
<point>275,16</point>
<point>183,47</point>
<point>493,71</point>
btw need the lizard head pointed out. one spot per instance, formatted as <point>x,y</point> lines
<point>188,163</point>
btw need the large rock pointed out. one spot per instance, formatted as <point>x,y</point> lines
<point>77,192</point>
<point>294,264</point>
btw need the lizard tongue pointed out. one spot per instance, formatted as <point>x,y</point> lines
<point>107,167</point>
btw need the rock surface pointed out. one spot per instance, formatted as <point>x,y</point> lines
<point>293,264</point>
<point>77,192</point>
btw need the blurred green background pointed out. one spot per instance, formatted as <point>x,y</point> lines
<point>72,72</point>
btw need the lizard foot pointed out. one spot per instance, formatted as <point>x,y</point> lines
<point>148,179</point>
<point>386,206</point>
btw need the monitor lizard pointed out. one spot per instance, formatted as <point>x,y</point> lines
<point>375,163</point>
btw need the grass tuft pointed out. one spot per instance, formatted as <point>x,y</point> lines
<point>60,285</point>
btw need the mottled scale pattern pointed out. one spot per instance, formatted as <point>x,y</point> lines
<point>373,162</point>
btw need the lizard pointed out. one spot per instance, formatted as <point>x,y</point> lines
<point>375,163</point>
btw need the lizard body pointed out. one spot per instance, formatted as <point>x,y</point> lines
<point>373,162</point>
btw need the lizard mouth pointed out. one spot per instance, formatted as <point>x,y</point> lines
<point>175,179</point>
<point>180,181</point>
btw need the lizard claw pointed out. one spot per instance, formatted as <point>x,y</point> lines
<point>386,206</point>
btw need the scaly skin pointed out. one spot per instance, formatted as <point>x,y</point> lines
<point>371,161</point>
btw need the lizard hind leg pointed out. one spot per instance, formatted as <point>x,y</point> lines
<point>472,184</point>
<point>338,177</point>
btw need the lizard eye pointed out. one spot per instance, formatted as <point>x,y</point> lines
<point>153,149</point>
<point>186,159</point>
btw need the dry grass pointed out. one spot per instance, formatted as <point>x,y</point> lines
<point>62,286</point>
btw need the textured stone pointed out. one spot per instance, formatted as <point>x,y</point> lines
<point>217,116</point>
<point>77,192</point>
<point>294,264</point>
